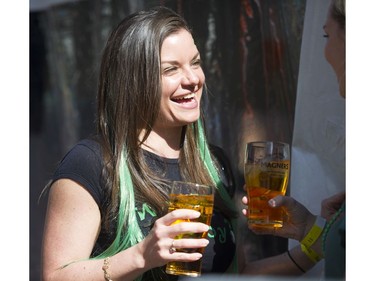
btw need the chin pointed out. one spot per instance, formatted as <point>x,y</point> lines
<point>188,121</point>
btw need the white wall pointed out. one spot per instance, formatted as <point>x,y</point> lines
<point>318,149</point>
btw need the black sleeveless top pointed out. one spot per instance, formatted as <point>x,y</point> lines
<point>83,164</point>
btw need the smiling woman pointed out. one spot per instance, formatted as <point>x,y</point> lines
<point>182,80</point>
<point>236,70</point>
<point>149,133</point>
<point>107,212</point>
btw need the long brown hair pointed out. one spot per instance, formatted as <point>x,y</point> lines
<point>129,97</point>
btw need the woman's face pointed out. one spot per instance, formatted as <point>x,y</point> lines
<point>335,46</point>
<point>182,80</point>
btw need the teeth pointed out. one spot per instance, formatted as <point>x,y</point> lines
<point>189,96</point>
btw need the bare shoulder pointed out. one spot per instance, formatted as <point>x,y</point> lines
<point>66,192</point>
<point>71,226</point>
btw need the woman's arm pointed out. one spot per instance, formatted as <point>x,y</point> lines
<point>297,224</point>
<point>72,227</point>
<point>293,263</point>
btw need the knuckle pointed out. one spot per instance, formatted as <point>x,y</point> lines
<point>182,227</point>
<point>175,214</point>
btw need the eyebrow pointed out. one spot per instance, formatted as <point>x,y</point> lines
<point>176,62</point>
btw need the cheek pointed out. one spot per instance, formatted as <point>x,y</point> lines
<point>334,53</point>
<point>331,54</point>
<point>169,86</point>
<point>328,51</point>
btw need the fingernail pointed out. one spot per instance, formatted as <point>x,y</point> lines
<point>272,203</point>
<point>199,256</point>
<point>196,214</point>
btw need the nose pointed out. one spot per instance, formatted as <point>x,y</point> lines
<point>190,77</point>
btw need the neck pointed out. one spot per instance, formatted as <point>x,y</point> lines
<point>340,70</point>
<point>341,80</point>
<point>165,142</point>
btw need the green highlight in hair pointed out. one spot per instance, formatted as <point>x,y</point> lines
<point>131,234</point>
<point>214,174</point>
<point>212,170</point>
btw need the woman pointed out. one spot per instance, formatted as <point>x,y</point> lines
<point>330,243</point>
<point>334,50</point>
<point>106,215</point>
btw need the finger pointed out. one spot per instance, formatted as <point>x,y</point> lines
<point>335,200</point>
<point>244,212</point>
<point>188,243</point>
<point>281,200</point>
<point>245,200</point>
<point>244,187</point>
<point>186,249</point>
<point>185,257</point>
<point>179,214</point>
<point>188,227</point>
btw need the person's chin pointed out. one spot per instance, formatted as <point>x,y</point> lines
<point>194,118</point>
<point>188,121</point>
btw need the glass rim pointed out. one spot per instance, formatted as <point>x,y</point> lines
<point>267,142</point>
<point>192,183</point>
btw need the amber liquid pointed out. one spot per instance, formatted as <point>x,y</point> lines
<point>203,204</point>
<point>262,184</point>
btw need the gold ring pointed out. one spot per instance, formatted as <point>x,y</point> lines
<point>172,249</point>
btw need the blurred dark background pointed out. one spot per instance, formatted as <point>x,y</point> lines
<point>250,50</point>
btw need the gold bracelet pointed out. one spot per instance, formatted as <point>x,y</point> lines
<point>105,267</point>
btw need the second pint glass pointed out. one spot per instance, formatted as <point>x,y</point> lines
<point>267,166</point>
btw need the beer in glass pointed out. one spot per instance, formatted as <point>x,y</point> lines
<point>186,195</point>
<point>267,165</point>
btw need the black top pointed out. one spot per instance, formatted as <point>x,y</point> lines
<point>83,164</point>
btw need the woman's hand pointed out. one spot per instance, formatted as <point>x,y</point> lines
<point>297,222</point>
<point>331,205</point>
<point>156,247</point>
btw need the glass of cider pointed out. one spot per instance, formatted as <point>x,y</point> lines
<point>199,197</point>
<point>266,171</point>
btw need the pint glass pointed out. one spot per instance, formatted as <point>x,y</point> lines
<point>185,195</point>
<point>267,165</point>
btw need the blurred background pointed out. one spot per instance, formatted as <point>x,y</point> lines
<point>252,57</point>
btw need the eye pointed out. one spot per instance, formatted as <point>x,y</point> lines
<point>197,62</point>
<point>325,34</point>
<point>169,70</point>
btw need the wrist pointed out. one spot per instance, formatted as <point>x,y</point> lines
<point>140,256</point>
<point>301,259</point>
<point>310,244</point>
<point>310,221</point>
<point>314,232</point>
